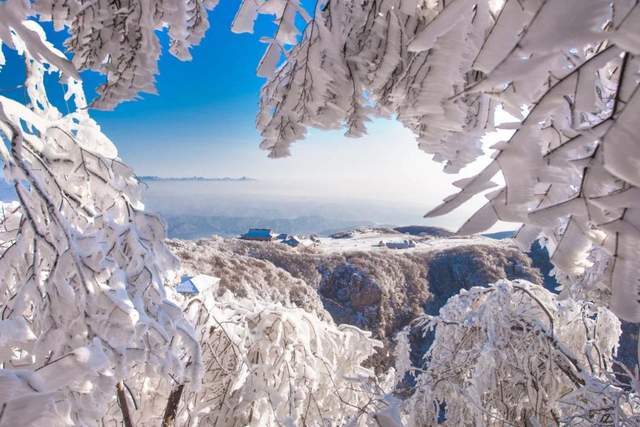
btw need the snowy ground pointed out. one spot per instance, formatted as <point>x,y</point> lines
<point>369,240</point>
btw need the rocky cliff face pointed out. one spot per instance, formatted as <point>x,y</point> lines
<point>356,280</point>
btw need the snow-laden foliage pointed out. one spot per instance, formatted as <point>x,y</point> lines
<point>120,39</point>
<point>402,353</point>
<point>515,354</point>
<point>85,316</point>
<point>566,70</point>
<point>82,266</point>
<point>266,365</point>
<point>117,39</point>
<point>362,59</point>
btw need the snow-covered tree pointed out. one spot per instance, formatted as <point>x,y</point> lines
<point>83,268</point>
<point>514,353</point>
<point>87,324</point>
<point>265,364</point>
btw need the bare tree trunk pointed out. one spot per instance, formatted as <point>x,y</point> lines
<point>124,406</point>
<point>171,410</point>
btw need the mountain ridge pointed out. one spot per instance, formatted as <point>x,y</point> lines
<point>194,178</point>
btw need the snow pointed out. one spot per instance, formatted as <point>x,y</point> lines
<point>15,332</point>
<point>621,148</point>
<point>442,24</point>
<point>197,284</point>
<point>369,240</point>
<point>560,25</point>
<point>266,363</point>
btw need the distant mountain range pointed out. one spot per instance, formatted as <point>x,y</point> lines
<point>192,178</point>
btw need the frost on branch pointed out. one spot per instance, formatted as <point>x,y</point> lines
<point>267,365</point>
<point>566,70</point>
<point>286,34</point>
<point>117,39</point>
<point>83,268</point>
<point>357,60</point>
<point>514,354</point>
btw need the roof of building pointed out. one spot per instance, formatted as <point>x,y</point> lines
<point>196,284</point>
<point>258,234</point>
<point>292,241</point>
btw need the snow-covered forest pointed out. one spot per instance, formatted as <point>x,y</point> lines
<point>92,331</point>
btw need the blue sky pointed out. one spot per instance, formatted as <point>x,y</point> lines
<point>202,123</point>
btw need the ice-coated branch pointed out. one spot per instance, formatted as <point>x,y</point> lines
<point>265,364</point>
<point>119,39</point>
<point>513,353</point>
<point>83,268</point>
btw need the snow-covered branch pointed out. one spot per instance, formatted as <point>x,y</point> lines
<point>266,365</point>
<point>83,268</point>
<point>514,354</point>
